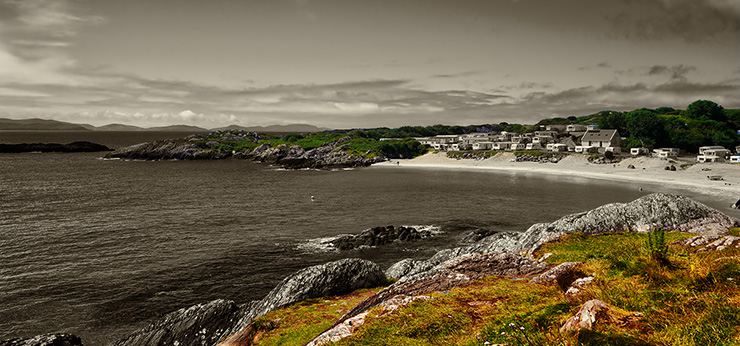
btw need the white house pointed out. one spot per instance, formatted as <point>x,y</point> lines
<point>586,149</point>
<point>600,139</point>
<point>714,155</point>
<point>665,153</point>
<point>502,145</point>
<point>575,128</point>
<point>558,128</point>
<point>534,146</point>
<point>639,151</point>
<point>558,147</point>
<point>518,146</point>
<point>483,145</point>
<point>735,159</point>
<point>709,147</point>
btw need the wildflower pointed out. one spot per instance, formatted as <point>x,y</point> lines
<point>512,324</point>
<point>522,327</point>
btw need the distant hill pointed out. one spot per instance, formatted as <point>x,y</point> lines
<point>178,128</point>
<point>119,127</point>
<point>298,128</point>
<point>39,125</point>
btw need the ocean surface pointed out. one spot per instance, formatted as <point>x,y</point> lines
<point>98,248</point>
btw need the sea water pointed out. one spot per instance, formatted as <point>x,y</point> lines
<point>99,248</point>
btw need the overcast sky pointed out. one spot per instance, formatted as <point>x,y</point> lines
<point>352,63</point>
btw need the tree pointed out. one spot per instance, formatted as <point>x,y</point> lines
<point>643,125</point>
<point>703,109</point>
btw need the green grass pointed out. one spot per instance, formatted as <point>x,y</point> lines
<point>693,301</point>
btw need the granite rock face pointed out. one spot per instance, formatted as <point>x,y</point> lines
<point>211,323</point>
<point>45,340</point>
<point>671,212</point>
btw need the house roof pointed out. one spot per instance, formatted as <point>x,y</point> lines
<point>599,135</point>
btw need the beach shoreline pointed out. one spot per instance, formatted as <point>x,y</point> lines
<point>647,170</point>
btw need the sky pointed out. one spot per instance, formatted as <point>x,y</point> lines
<point>361,63</point>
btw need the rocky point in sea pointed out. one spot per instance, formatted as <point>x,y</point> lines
<point>328,156</point>
<point>223,322</point>
<point>74,147</point>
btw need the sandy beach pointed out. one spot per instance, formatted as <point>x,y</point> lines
<point>647,170</point>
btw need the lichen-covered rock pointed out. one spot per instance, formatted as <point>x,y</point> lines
<point>710,242</point>
<point>60,339</point>
<point>588,315</point>
<point>406,266</point>
<point>567,271</point>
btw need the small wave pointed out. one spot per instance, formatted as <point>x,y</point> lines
<point>319,244</point>
<point>435,230</point>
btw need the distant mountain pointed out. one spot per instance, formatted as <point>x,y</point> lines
<point>178,128</point>
<point>119,127</point>
<point>54,125</point>
<point>298,128</point>
<point>39,125</point>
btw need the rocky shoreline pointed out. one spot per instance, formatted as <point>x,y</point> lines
<point>328,156</point>
<point>223,322</point>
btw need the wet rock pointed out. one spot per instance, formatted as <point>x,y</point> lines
<point>60,339</point>
<point>379,236</point>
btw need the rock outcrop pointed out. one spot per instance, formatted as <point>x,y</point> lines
<point>222,320</point>
<point>671,212</point>
<point>170,149</point>
<point>45,340</point>
<point>330,155</point>
<point>377,236</point>
<point>74,147</point>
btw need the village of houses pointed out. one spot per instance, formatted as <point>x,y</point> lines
<point>566,138</point>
